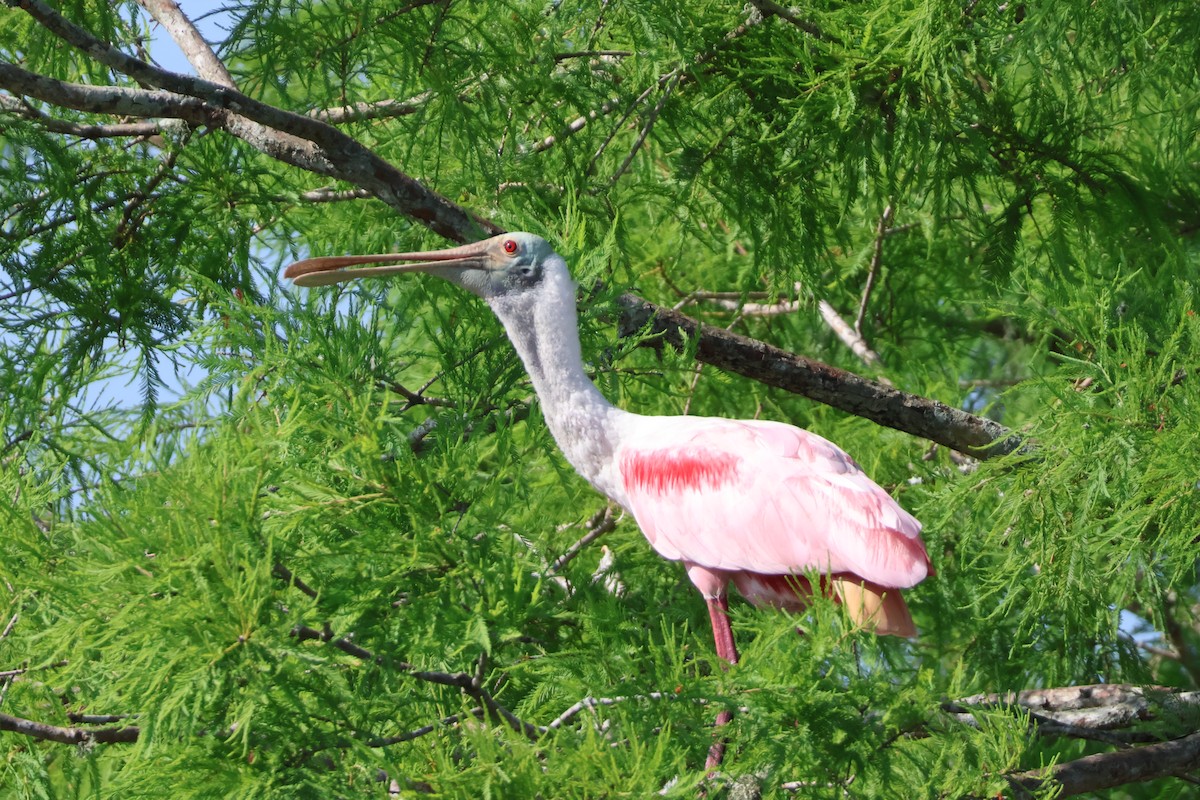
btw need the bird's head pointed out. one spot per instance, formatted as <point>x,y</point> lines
<point>507,265</point>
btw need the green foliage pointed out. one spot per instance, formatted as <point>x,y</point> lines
<point>381,445</point>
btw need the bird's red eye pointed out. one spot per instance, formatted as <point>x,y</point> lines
<point>510,246</point>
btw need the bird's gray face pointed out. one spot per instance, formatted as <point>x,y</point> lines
<point>505,265</point>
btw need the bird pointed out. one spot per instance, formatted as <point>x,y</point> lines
<point>756,503</point>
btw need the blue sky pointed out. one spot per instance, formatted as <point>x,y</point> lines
<point>125,390</point>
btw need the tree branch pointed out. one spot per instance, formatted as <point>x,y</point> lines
<point>197,51</point>
<point>281,571</point>
<point>331,195</point>
<point>112,100</point>
<point>1118,768</point>
<point>56,733</point>
<point>82,130</point>
<point>850,337</point>
<point>920,416</point>
<point>769,8</point>
<point>601,523</point>
<point>1136,700</point>
<point>417,733</point>
<point>641,138</point>
<point>460,680</point>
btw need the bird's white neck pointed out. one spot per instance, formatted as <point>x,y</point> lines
<point>544,330</point>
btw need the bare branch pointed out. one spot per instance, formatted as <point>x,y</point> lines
<point>379,109</point>
<point>1118,768</point>
<point>616,127</point>
<point>589,703</point>
<point>466,682</point>
<point>97,719</point>
<point>12,673</point>
<point>56,733</point>
<point>732,301</point>
<point>1079,711</point>
<point>417,398</point>
<point>851,393</point>
<point>601,523</point>
<point>850,337</point>
<point>769,8</point>
<point>197,51</point>
<point>283,573</point>
<point>576,125</point>
<point>305,633</point>
<point>592,54</point>
<point>453,719</point>
<point>113,100</point>
<point>82,130</point>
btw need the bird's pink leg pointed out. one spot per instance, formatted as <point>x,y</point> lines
<point>718,612</point>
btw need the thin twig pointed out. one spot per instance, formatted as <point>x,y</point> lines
<point>460,680</point>
<point>850,337</point>
<point>727,301</point>
<point>417,733</point>
<point>283,573</point>
<point>575,125</point>
<point>601,523</point>
<point>414,398</point>
<point>589,703</point>
<point>881,231</point>
<point>616,127</point>
<point>651,118</point>
<point>12,673</point>
<point>592,54</point>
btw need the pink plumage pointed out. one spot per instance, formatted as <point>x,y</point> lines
<point>759,504</point>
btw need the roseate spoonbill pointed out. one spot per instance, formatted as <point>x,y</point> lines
<point>756,503</point>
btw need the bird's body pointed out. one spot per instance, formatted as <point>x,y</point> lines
<point>756,503</point>
<point>751,502</point>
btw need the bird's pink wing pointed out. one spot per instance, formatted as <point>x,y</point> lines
<point>763,497</point>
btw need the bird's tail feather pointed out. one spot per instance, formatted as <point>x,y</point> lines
<point>873,606</point>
